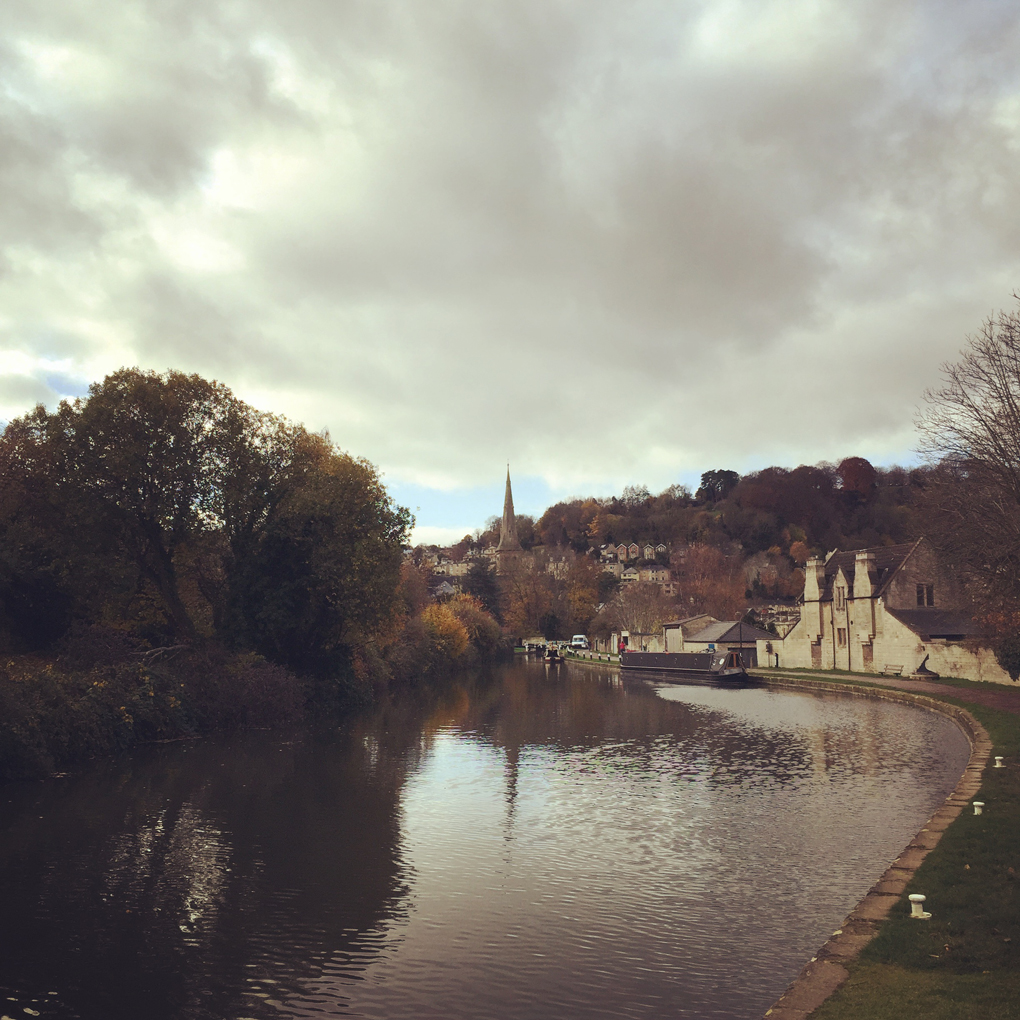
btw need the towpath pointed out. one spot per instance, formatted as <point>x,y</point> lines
<point>1005,699</point>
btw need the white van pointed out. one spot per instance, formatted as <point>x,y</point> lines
<point>579,641</point>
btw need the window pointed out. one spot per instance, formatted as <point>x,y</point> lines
<point>841,637</point>
<point>926,595</point>
<point>840,597</point>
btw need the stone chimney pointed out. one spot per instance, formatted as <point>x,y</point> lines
<point>814,579</point>
<point>864,563</point>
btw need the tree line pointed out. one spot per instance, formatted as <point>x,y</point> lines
<point>166,505</point>
<point>174,561</point>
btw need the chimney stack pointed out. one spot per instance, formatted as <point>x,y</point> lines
<point>864,563</point>
<point>814,579</point>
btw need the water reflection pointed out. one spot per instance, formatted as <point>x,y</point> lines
<point>538,844</point>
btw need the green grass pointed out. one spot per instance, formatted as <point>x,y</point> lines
<point>889,992</point>
<point>965,961</point>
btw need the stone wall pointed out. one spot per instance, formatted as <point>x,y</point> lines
<point>894,644</point>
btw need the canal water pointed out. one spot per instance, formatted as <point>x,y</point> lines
<point>536,844</point>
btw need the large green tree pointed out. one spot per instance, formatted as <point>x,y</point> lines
<point>166,501</point>
<point>323,569</point>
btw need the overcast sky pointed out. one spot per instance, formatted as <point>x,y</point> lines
<point>611,242</point>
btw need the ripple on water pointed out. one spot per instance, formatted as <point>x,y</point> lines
<point>565,846</point>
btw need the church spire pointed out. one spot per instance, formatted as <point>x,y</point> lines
<point>508,541</point>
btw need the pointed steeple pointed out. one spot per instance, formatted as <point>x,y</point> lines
<point>508,541</point>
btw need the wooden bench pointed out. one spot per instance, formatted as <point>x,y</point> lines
<point>888,670</point>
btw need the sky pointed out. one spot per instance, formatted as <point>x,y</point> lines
<point>610,243</point>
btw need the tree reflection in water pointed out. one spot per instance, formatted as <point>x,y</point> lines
<point>536,843</point>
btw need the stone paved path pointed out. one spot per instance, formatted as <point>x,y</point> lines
<point>1006,699</point>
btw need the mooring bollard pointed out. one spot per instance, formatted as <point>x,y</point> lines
<point>978,805</point>
<point>998,762</point>
<point>917,906</point>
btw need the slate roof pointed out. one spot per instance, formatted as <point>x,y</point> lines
<point>687,620</point>
<point>888,559</point>
<point>936,623</point>
<point>730,630</point>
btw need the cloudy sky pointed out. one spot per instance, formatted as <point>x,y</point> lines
<point>609,242</point>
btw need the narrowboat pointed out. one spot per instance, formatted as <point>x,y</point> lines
<point>719,665</point>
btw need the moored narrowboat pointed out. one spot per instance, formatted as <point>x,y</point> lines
<point>717,665</point>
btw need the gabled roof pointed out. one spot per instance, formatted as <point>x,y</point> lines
<point>936,623</point>
<point>731,630</point>
<point>686,622</point>
<point>887,560</point>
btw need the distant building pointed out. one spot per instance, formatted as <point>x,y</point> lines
<point>730,636</point>
<point>443,587</point>
<point>674,632</point>
<point>654,573</point>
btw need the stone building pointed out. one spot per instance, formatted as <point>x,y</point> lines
<point>889,609</point>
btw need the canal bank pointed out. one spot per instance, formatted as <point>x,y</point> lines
<point>827,971</point>
<point>962,962</point>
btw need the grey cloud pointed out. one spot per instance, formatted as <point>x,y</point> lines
<point>562,229</point>
<point>24,390</point>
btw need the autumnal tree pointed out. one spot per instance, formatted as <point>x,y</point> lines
<point>527,596</point>
<point>482,630</point>
<point>799,553</point>
<point>709,581</point>
<point>583,590</point>
<point>447,632</point>
<point>857,477</point>
<point>640,607</point>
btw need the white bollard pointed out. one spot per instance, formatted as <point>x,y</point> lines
<point>917,906</point>
<point>978,805</point>
<point>998,762</point>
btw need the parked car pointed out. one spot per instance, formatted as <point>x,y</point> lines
<point>579,641</point>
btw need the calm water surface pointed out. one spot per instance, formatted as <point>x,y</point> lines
<point>554,845</point>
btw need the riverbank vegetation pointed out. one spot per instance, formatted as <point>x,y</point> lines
<point>173,561</point>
